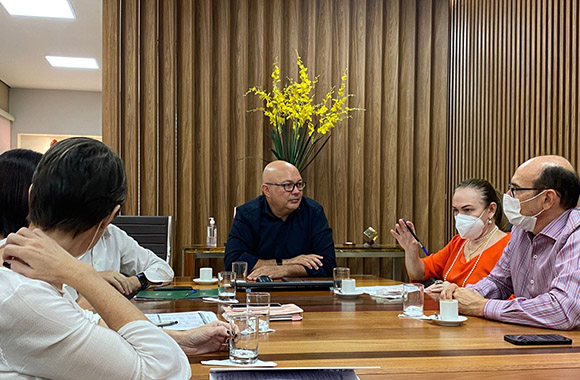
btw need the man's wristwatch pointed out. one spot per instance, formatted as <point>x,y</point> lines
<point>279,261</point>
<point>143,280</point>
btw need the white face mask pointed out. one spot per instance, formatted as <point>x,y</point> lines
<point>512,208</point>
<point>94,236</point>
<point>468,226</point>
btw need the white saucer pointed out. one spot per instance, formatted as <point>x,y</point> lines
<point>205,282</point>
<point>348,295</point>
<point>450,322</point>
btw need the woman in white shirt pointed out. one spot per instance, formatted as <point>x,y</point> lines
<point>77,189</point>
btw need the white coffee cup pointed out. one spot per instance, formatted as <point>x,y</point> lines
<point>349,286</point>
<point>205,274</point>
<point>449,310</point>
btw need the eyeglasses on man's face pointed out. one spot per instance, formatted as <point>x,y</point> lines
<point>512,189</point>
<point>289,186</point>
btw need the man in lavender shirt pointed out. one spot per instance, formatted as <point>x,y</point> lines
<point>540,265</point>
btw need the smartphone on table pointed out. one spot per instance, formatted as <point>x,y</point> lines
<point>537,339</point>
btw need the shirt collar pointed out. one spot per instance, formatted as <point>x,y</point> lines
<point>555,228</point>
<point>268,211</point>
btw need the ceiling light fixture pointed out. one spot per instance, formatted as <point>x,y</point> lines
<point>39,8</point>
<point>73,62</point>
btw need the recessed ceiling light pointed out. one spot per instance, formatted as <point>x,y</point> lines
<point>39,8</point>
<point>73,62</point>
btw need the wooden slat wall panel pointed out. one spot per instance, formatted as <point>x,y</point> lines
<point>111,73</point>
<point>148,100</point>
<point>185,131</point>
<point>390,114</point>
<point>129,108</point>
<point>187,139</point>
<point>439,91</point>
<point>167,107</point>
<point>514,80</point>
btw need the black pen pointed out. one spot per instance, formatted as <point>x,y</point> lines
<point>416,238</point>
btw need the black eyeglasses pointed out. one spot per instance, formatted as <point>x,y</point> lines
<point>512,189</point>
<point>289,186</point>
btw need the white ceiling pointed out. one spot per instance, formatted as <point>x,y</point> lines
<point>25,41</point>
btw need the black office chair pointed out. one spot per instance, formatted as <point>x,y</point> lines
<point>151,232</point>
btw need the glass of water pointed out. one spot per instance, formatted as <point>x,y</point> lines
<point>339,274</point>
<point>241,269</point>
<point>227,285</point>
<point>244,344</point>
<point>413,298</point>
<point>259,306</point>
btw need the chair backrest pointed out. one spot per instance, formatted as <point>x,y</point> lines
<point>151,232</point>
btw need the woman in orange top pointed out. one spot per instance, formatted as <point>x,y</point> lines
<point>473,253</point>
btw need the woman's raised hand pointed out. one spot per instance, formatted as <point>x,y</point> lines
<point>404,237</point>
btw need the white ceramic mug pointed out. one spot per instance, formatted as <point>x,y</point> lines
<point>205,274</point>
<point>449,310</point>
<point>349,286</point>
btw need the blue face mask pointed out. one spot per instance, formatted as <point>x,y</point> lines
<point>512,208</point>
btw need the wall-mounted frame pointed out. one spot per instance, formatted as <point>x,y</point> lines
<point>41,142</point>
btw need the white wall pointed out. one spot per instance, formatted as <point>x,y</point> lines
<point>55,112</point>
<point>4,134</point>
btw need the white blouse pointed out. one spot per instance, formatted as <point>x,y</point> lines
<point>45,334</point>
<point>116,250</point>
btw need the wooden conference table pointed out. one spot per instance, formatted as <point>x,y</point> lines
<point>352,333</point>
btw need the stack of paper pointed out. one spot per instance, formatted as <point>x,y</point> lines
<point>287,312</point>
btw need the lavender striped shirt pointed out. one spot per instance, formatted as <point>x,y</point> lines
<point>543,272</point>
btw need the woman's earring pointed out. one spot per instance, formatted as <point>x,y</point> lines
<point>489,221</point>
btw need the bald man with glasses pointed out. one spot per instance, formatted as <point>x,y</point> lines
<point>281,233</point>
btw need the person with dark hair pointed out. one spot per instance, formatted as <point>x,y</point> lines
<point>77,189</point>
<point>16,169</point>
<point>471,254</point>
<point>118,257</point>
<point>540,265</point>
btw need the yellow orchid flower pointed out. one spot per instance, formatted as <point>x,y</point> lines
<point>299,125</point>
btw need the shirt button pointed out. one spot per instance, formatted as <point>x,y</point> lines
<point>532,282</point>
<point>535,257</point>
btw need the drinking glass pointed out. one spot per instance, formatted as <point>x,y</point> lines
<point>226,285</point>
<point>259,306</point>
<point>244,344</point>
<point>413,298</point>
<point>339,274</point>
<point>241,270</point>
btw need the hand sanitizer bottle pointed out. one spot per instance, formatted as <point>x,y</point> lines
<point>211,233</point>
